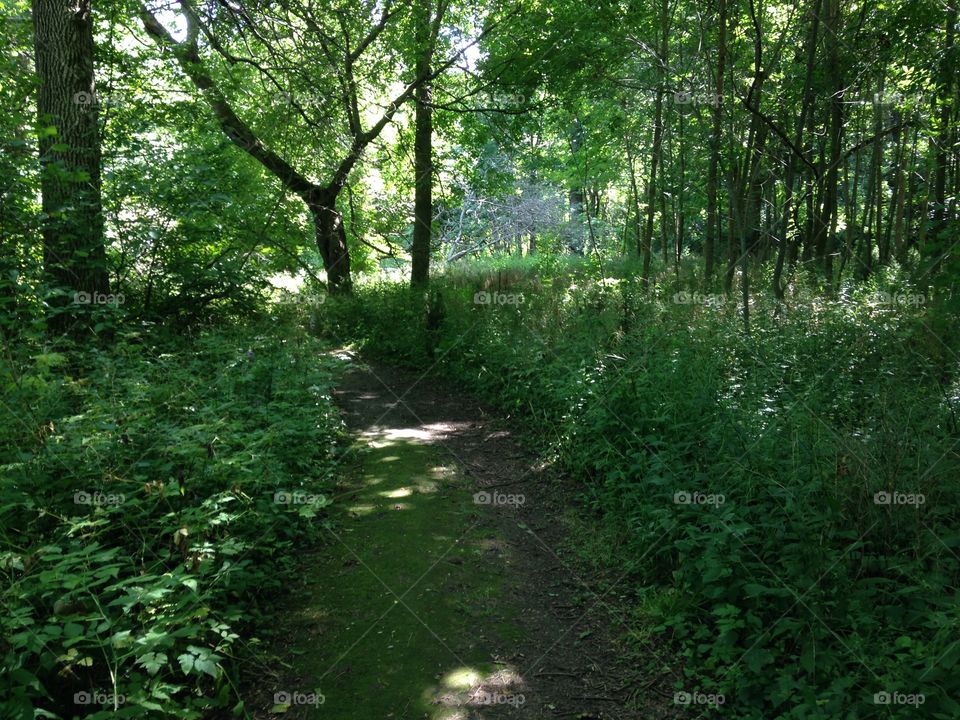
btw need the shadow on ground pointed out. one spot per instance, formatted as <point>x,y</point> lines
<point>428,604</point>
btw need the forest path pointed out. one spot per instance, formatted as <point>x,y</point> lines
<point>431,602</point>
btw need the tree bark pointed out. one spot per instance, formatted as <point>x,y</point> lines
<point>709,242</point>
<point>680,226</point>
<point>827,232</point>
<point>73,246</point>
<point>944,142</point>
<point>575,191</point>
<point>423,153</point>
<point>806,103</point>
<point>634,191</point>
<point>894,237</point>
<point>662,58</point>
<point>331,238</point>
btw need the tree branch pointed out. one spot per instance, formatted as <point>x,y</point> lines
<point>187,55</point>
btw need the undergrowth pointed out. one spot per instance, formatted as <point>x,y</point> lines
<point>784,503</point>
<point>154,492</point>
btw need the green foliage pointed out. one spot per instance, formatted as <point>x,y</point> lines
<point>141,534</point>
<point>797,426</point>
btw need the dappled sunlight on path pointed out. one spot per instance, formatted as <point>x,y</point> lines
<point>402,613</point>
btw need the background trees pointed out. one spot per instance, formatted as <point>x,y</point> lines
<point>330,52</point>
<point>171,170</point>
<point>813,139</point>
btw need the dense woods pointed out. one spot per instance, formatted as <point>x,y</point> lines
<point>699,254</point>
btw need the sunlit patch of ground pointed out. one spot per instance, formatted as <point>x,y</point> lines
<point>470,687</point>
<point>400,598</point>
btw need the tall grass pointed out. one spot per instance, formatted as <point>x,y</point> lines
<point>784,503</point>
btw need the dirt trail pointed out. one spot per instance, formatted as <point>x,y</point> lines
<point>434,602</point>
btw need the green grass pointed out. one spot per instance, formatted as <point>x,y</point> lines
<point>401,614</point>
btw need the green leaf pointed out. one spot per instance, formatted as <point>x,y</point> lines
<point>72,629</point>
<point>187,661</point>
<point>153,662</point>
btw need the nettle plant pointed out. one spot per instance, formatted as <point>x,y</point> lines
<point>141,536</point>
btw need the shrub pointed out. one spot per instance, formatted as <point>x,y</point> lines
<point>800,594</point>
<point>141,537</point>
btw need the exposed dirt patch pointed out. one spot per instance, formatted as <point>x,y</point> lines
<point>567,651</point>
<point>503,622</point>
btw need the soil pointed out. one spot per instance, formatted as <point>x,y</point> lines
<point>451,588</point>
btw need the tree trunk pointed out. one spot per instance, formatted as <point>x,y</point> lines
<point>745,187</point>
<point>878,113</point>
<point>680,199</point>
<point>944,141</point>
<point>731,245</point>
<point>636,198</point>
<point>331,239</point>
<point>575,192</point>
<point>73,247</point>
<point>894,240</point>
<point>423,154</point>
<point>785,241</point>
<point>709,242</point>
<point>865,263</point>
<point>657,139</point>
<point>853,226</point>
<point>826,245</point>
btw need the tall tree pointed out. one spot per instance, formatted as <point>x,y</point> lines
<point>945,101</point>
<point>657,150</point>
<point>709,242</point>
<point>336,48</point>
<point>73,245</point>
<point>827,231</point>
<point>426,35</point>
<point>793,159</point>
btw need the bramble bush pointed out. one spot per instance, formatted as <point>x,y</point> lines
<point>787,499</point>
<point>142,541</point>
